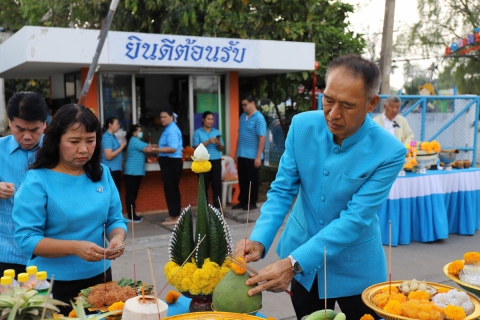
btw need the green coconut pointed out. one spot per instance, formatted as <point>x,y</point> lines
<point>231,294</point>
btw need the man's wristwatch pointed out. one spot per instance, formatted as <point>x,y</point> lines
<point>295,266</point>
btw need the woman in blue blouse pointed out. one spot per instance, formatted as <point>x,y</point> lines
<point>134,168</point>
<point>212,140</point>
<point>169,151</point>
<point>112,150</point>
<point>66,205</point>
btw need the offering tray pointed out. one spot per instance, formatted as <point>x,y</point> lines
<point>213,316</point>
<point>372,290</point>
<point>466,286</point>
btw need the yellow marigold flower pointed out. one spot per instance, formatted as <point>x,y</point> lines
<point>419,295</point>
<point>435,146</point>
<point>272,318</point>
<point>442,290</point>
<point>172,297</point>
<point>454,312</point>
<point>400,297</point>
<point>365,317</point>
<point>471,257</point>
<point>195,289</point>
<point>116,306</point>
<point>394,307</point>
<point>455,267</point>
<point>237,269</point>
<point>201,166</point>
<point>387,289</point>
<point>72,314</point>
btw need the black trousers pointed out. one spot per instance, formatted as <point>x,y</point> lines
<point>19,268</point>
<point>132,184</point>
<point>171,172</point>
<point>66,291</point>
<point>117,178</point>
<point>248,173</point>
<point>305,302</point>
<point>214,177</point>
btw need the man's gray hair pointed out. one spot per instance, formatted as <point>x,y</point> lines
<point>359,67</point>
<point>393,99</point>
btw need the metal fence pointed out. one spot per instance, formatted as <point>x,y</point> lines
<point>451,120</point>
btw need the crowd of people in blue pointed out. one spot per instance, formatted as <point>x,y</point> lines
<point>60,206</point>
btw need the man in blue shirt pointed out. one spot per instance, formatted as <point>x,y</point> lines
<point>252,133</point>
<point>27,113</point>
<point>337,169</point>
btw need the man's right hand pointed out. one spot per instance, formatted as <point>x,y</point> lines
<point>7,190</point>
<point>250,250</point>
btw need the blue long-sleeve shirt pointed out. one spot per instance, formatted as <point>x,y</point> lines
<point>56,205</point>
<point>338,190</point>
<point>14,162</point>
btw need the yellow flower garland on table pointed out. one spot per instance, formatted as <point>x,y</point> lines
<point>471,257</point>
<point>454,312</point>
<point>455,267</point>
<point>194,280</point>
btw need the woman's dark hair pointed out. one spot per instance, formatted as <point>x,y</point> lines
<point>133,128</point>
<point>67,116</point>
<point>206,114</point>
<point>167,110</point>
<point>110,120</point>
<point>28,106</point>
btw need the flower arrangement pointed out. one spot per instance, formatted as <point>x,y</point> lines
<point>211,240</point>
<point>426,146</point>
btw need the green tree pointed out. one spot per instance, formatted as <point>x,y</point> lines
<point>322,22</point>
<point>441,22</point>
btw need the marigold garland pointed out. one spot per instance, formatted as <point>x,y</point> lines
<point>454,312</point>
<point>455,267</point>
<point>201,166</point>
<point>367,317</point>
<point>471,257</point>
<point>236,268</point>
<point>172,297</point>
<point>392,288</point>
<point>442,290</point>
<point>394,307</point>
<point>194,280</point>
<point>72,314</point>
<point>116,306</point>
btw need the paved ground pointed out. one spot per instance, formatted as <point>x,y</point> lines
<point>417,260</point>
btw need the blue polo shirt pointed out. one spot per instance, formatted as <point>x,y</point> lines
<point>135,163</point>
<point>14,162</point>
<point>110,141</point>
<point>201,135</point>
<point>249,132</point>
<point>171,137</point>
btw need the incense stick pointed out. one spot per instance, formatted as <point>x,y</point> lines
<point>246,224</point>
<point>133,242</point>
<point>191,253</point>
<point>48,297</point>
<point>153,280</point>
<point>104,257</point>
<point>325,277</point>
<point>390,256</point>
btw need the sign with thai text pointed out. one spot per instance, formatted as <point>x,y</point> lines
<point>465,45</point>
<point>158,50</point>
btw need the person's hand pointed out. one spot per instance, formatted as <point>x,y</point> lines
<point>7,190</point>
<point>257,163</point>
<point>89,251</point>
<point>275,277</point>
<point>213,140</point>
<point>249,250</point>
<point>111,252</point>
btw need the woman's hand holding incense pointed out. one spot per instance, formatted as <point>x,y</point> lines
<point>88,251</point>
<point>111,252</point>
<point>275,277</point>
